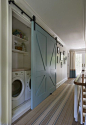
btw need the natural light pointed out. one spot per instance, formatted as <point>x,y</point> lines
<point>78,63</point>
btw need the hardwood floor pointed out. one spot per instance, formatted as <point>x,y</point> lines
<point>57,109</point>
<point>76,123</point>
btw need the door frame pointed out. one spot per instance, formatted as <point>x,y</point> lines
<point>0,62</point>
<point>9,66</point>
<point>11,9</point>
<point>83,54</point>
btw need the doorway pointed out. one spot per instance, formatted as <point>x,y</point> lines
<point>21,66</point>
<point>43,64</point>
<point>78,63</point>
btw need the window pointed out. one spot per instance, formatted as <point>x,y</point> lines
<point>78,63</point>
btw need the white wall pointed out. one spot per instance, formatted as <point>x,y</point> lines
<point>3,68</point>
<point>61,72</point>
<point>20,60</point>
<point>68,65</point>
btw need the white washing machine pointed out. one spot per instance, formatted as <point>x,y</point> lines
<point>27,85</point>
<point>18,88</point>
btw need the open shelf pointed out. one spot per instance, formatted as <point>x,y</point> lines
<point>19,39</point>
<point>19,51</point>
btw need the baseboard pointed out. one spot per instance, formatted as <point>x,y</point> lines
<point>19,115</point>
<point>61,82</point>
<point>20,110</point>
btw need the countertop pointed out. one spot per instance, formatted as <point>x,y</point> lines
<point>20,69</point>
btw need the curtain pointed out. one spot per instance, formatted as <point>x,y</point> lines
<point>72,65</point>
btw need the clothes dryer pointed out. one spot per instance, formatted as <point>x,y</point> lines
<point>18,88</point>
<point>27,85</point>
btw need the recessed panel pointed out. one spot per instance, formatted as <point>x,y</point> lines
<point>40,85</point>
<point>53,59</point>
<point>41,51</point>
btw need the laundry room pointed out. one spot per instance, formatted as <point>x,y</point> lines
<point>31,63</point>
<point>21,66</point>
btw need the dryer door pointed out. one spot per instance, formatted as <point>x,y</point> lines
<point>17,88</point>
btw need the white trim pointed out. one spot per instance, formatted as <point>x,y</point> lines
<point>78,50</point>
<point>18,12</point>
<point>20,114</point>
<point>81,116</point>
<point>9,61</point>
<point>61,82</point>
<point>9,66</point>
<point>20,110</point>
<point>0,62</point>
<point>21,18</point>
<point>75,102</point>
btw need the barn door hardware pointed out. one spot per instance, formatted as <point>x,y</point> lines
<point>56,40</point>
<point>22,12</point>
<point>34,20</point>
<point>10,2</point>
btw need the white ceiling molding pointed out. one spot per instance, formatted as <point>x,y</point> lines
<point>78,50</point>
<point>29,10</point>
<point>21,18</point>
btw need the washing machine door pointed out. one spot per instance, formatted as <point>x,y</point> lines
<point>17,88</point>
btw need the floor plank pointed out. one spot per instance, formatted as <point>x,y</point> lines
<point>65,117</point>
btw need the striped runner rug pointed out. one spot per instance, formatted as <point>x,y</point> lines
<point>57,109</point>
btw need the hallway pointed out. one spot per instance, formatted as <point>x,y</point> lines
<point>57,109</point>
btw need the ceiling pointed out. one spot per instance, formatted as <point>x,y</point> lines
<point>64,17</point>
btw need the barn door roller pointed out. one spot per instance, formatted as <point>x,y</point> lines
<point>34,19</point>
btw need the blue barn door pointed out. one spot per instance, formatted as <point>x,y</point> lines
<point>43,65</point>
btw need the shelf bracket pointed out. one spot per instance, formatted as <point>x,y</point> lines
<point>34,19</point>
